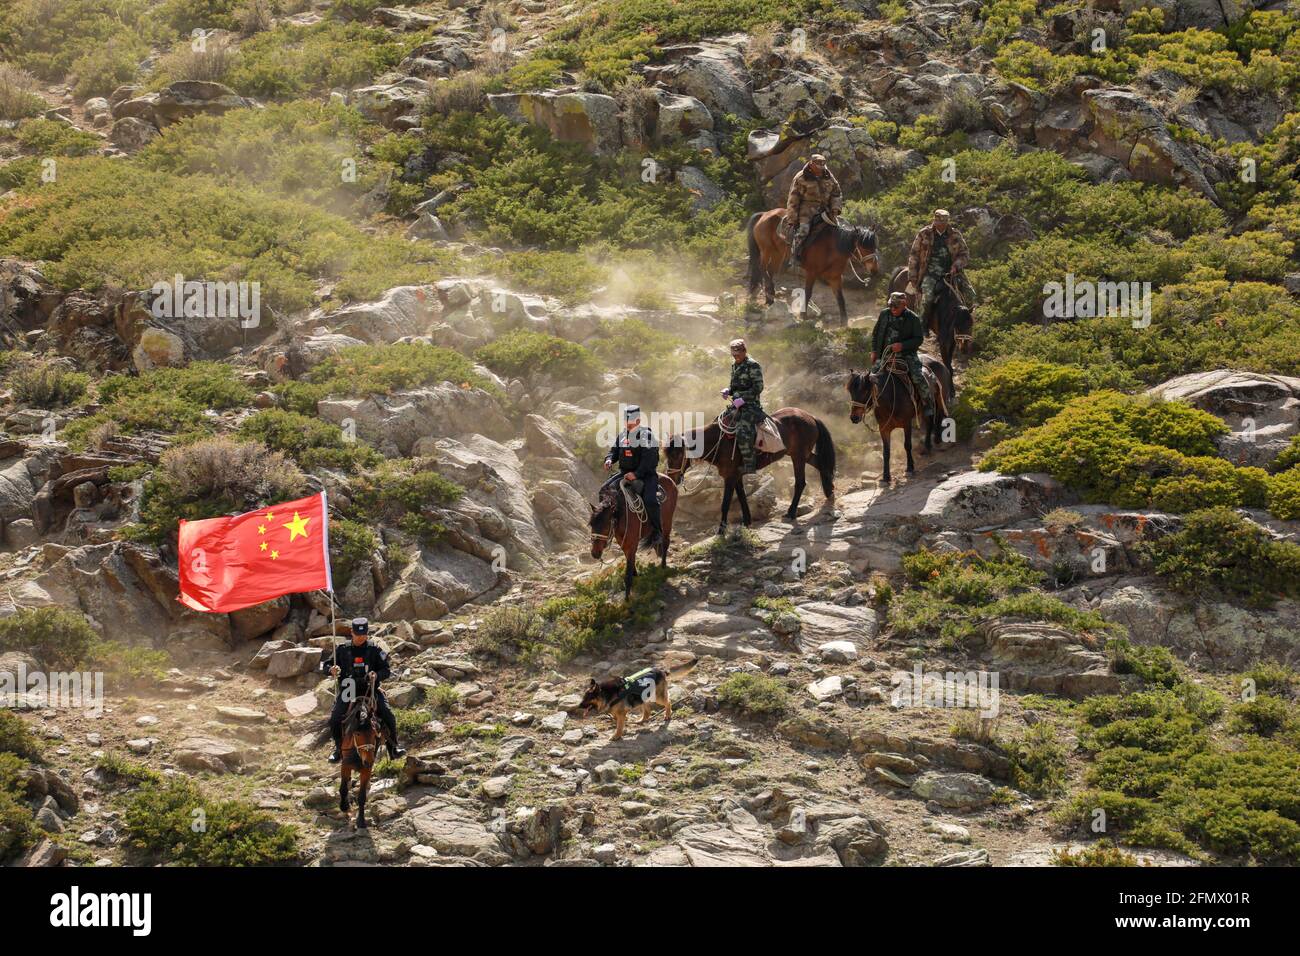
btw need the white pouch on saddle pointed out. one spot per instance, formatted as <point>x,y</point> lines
<point>767,437</point>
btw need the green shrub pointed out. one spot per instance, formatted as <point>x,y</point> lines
<point>129,664</point>
<point>570,276</point>
<point>98,226</point>
<point>505,629</point>
<point>953,594</point>
<point>295,60</point>
<point>1284,494</point>
<point>595,615</point>
<point>398,493</point>
<point>1132,452</point>
<point>59,638</point>
<point>177,824</point>
<point>1218,550</point>
<point>124,770</point>
<point>16,738</point>
<point>1017,392</point>
<point>525,354</point>
<point>54,37</point>
<point>755,695</point>
<point>311,442</point>
<point>43,384</point>
<point>298,150</point>
<point>351,543</point>
<point>184,16</point>
<point>1264,716</point>
<point>1288,458</point>
<point>361,370</point>
<point>1272,677</point>
<point>1039,762</point>
<point>1155,665</point>
<point>17,828</point>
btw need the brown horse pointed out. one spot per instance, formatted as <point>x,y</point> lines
<point>807,440</point>
<point>612,519</point>
<point>826,253</point>
<point>895,406</point>
<point>360,744</point>
<point>951,323</point>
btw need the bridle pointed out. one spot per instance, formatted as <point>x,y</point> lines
<point>864,259</point>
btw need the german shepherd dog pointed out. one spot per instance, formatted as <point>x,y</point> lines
<point>619,696</point>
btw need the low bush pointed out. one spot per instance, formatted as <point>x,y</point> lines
<point>1133,452</point>
<point>59,638</point>
<point>1153,664</point>
<point>16,738</point>
<point>1101,853</point>
<point>214,477</point>
<point>361,370</point>
<point>755,695</point>
<point>311,442</point>
<point>1039,762</point>
<point>38,383</point>
<point>526,354</point>
<point>595,615</point>
<point>17,827</point>
<point>177,824</point>
<point>1163,780</point>
<point>1218,550</point>
<point>399,493</point>
<point>19,96</point>
<point>351,543</point>
<point>504,630</point>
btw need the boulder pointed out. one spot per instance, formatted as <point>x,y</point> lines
<point>210,754</point>
<point>679,117</point>
<point>186,98</point>
<point>975,499</point>
<point>715,75</point>
<point>402,312</point>
<point>158,348</point>
<point>390,104</point>
<point>293,662</point>
<point>441,579</point>
<point>1129,129</point>
<point>591,119</point>
<point>396,423</point>
<point>252,622</point>
<point>957,791</point>
<point>1262,410</point>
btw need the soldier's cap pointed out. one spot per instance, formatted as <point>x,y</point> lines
<point>942,215</point>
<point>897,297</point>
<point>631,413</point>
<point>360,625</point>
<point>817,158</point>
<point>737,344</point>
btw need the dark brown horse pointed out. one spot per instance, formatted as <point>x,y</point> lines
<point>895,406</point>
<point>826,254</point>
<point>613,520</point>
<point>951,323</point>
<point>807,441</point>
<point>360,744</point>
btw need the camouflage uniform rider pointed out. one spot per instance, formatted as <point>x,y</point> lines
<point>813,190</point>
<point>899,330</point>
<point>938,251</point>
<point>744,390</point>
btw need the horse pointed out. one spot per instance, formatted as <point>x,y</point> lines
<point>895,405</point>
<point>360,745</point>
<point>951,323</point>
<point>826,253</point>
<point>613,520</point>
<point>807,440</point>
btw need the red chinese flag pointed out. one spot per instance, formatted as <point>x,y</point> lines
<point>231,563</point>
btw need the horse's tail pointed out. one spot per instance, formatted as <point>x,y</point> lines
<point>824,458</point>
<point>755,254</point>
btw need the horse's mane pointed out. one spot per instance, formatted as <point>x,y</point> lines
<point>847,236</point>
<point>608,501</point>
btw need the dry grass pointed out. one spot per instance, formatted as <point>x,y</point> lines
<point>18,94</point>
<point>212,62</point>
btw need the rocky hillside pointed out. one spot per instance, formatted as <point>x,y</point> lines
<point>417,254</point>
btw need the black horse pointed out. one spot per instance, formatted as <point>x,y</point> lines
<point>951,323</point>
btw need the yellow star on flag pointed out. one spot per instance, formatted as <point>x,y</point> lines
<point>298,526</point>
<point>274,555</point>
<point>263,545</point>
<point>261,529</point>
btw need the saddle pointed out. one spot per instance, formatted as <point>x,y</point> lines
<point>633,501</point>
<point>767,436</point>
